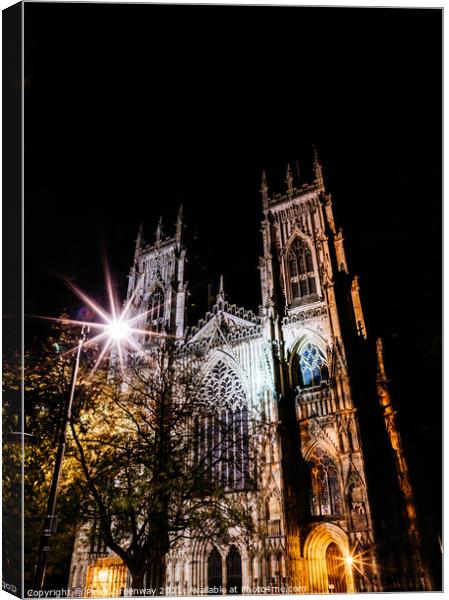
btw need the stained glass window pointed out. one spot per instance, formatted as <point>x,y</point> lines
<point>312,365</point>
<point>301,271</point>
<point>325,487</point>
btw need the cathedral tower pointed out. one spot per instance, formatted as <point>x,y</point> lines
<point>156,281</point>
<point>303,262</point>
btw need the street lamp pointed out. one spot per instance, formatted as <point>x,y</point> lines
<point>50,521</point>
<point>115,331</point>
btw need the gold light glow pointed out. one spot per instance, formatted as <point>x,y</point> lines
<point>357,561</point>
<point>102,575</point>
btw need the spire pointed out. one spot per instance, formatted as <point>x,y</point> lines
<point>402,472</point>
<point>159,230</point>
<point>317,167</point>
<point>139,238</point>
<point>289,181</point>
<point>179,224</point>
<point>381,373</point>
<point>357,305</point>
<point>298,174</point>
<point>264,190</point>
<point>220,295</point>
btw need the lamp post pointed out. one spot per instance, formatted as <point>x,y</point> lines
<point>50,522</point>
<point>117,329</point>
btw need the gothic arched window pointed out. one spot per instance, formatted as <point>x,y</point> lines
<point>214,572</point>
<point>312,366</point>
<point>325,488</point>
<point>156,305</point>
<point>301,271</point>
<point>223,449</point>
<point>234,571</point>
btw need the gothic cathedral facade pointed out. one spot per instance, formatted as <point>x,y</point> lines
<point>290,363</point>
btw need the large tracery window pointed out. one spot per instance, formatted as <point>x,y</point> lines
<point>312,366</point>
<point>325,488</point>
<point>223,440</point>
<point>301,271</point>
<point>156,304</point>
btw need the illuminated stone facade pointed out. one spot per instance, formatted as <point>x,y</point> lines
<point>288,366</point>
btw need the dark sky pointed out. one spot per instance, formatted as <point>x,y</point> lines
<point>133,109</point>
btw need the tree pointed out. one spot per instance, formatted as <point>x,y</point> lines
<point>159,464</point>
<point>45,373</point>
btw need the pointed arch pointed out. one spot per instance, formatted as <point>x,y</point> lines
<point>219,355</point>
<point>335,566</point>
<point>325,484</point>
<point>324,444</point>
<point>273,513</point>
<point>234,571</point>
<point>224,427</point>
<point>300,269</point>
<point>156,300</point>
<point>214,572</point>
<point>222,384</point>
<point>309,361</point>
<point>316,553</point>
<point>297,234</point>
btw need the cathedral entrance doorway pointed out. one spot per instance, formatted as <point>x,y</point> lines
<point>325,550</point>
<point>336,572</point>
<point>214,573</point>
<point>234,571</point>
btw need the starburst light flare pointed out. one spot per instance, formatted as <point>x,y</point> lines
<point>356,561</point>
<point>118,330</point>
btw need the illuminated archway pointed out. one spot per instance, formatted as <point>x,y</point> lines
<point>335,566</point>
<point>326,550</point>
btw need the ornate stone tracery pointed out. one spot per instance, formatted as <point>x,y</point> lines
<point>223,389</point>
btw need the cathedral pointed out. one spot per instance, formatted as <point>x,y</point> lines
<point>333,499</point>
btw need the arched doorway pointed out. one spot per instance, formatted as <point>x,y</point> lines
<point>325,549</point>
<point>336,573</point>
<point>234,571</point>
<point>214,573</point>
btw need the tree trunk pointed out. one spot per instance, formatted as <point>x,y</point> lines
<point>155,578</point>
<point>137,583</point>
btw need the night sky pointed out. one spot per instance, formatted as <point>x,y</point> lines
<point>131,110</point>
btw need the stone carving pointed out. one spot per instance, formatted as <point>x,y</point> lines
<point>306,315</point>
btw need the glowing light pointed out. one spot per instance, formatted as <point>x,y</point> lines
<point>102,575</point>
<point>359,561</point>
<point>118,330</point>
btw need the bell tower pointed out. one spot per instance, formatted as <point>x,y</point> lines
<point>303,269</point>
<point>156,284</point>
